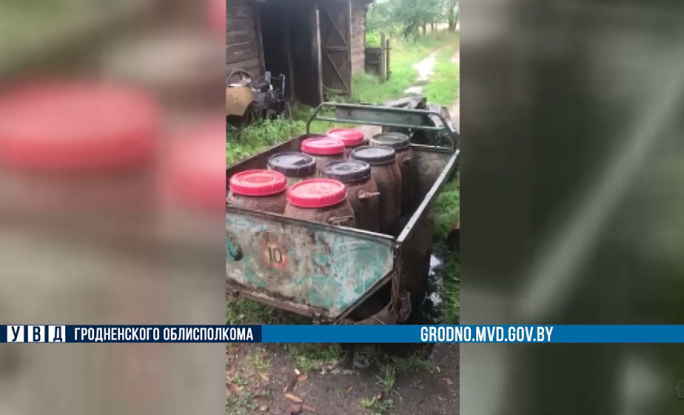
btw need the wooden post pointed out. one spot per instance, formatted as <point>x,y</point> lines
<point>290,63</point>
<point>317,54</point>
<point>388,53</point>
<point>259,36</point>
<point>382,57</point>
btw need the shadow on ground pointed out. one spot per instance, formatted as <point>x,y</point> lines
<point>321,379</point>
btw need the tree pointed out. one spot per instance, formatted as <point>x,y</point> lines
<point>409,16</point>
<point>453,14</point>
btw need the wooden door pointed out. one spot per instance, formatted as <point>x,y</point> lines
<point>335,34</point>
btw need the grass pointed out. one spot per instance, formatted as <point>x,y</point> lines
<point>258,137</point>
<point>387,378</point>
<point>445,214</point>
<point>404,54</point>
<point>412,363</point>
<point>258,361</point>
<point>312,357</point>
<point>245,311</point>
<point>444,85</point>
<point>377,407</point>
<point>240,405</point>
<point>446,211</point>
<point>452,290</point>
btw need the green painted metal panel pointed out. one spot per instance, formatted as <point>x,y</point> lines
<point>309,264</point>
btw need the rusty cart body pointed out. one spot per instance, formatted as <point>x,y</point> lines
<point>331,273</point>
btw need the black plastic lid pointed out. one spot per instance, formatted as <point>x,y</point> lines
<point>293,164</point>
<point>347,171</point>
<point>397,141</point>
<point>375,156</point>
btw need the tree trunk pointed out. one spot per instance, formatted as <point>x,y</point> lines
<point>452,16</point>
<point>409,30</point>
<point>424,29</point>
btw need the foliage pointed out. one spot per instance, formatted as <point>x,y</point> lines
<point>373,39</point>
<point>444,85</point>
<point>258,137</point>
<point>446,210</point>
<point>445,214</point>
<point>409,17</point>
<point>405,54</point>
<point>452,290</point>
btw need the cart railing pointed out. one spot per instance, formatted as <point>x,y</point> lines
<point>362,114</point>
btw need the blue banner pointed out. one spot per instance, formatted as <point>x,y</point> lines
<point>340,334</point>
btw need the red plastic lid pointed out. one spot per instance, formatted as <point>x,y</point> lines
<point>258,183</point>
<point>195,168</point>
<point>323,146</point>
<point>350,138</point>
<point>70,125</point>
<point>317,193</point>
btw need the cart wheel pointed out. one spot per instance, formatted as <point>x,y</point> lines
<point>362,357</point>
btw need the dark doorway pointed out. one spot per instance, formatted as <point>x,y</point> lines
<point>290,35</point>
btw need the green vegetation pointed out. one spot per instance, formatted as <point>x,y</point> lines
<point>245,311</point>
<point>258,361</point>
<point>404,54</point>
<point>367,89</point>
<point>412,363</point>
<point>240,405</point>
<point>387,378</point>
<point>257,137</point>
<point>446,210</point>
<point>310,357</point>
<point>410,18</point>
<point>452,290</point>
<point>444,85</point>
<point>377,406</point>
<point>446,214</point>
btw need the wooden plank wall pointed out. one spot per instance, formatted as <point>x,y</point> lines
<point>242,38</point>
<point>358,50</point>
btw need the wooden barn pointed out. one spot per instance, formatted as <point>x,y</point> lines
<point>316,44</point>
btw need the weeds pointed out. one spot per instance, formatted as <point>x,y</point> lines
<point>404,54</point>
<point>239,405</point>
<point>258,137</point>
<point>256,361</point>
<point>239,380</point>
<point>245,311</point>
<point>446,211</point>
<point>387,378</point>
<point>412,363</point>
<point>311,357</point>
<point>452,290</point>
<point>376,406</point>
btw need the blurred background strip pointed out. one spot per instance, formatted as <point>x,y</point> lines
<point>112,200</point>
<point>572,174</point>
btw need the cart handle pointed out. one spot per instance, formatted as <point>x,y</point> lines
<point>374,108</point>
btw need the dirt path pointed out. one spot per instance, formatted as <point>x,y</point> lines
<point>260,379</point>
<point>426,69</point>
